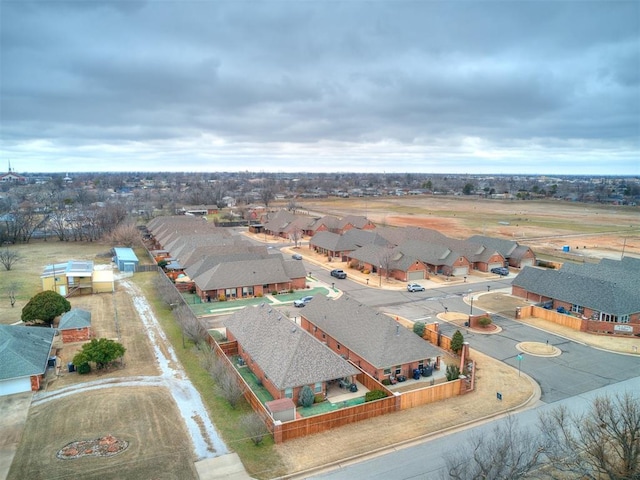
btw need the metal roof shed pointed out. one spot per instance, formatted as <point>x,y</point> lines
<point>125,259</point>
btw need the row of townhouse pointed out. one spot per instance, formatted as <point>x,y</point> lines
<point>285,224</point>
<point>412,253</point>
<point>218,265</point>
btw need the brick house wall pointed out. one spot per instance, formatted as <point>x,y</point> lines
<point>484,266</point>
<point>266,382</point>
<point>36,381</point>
<point>377,373</point>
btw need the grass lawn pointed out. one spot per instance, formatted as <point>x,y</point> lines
<point>261,392</point>
<point>146,417</point>
<point>33,257</point>
<point>261,461</point>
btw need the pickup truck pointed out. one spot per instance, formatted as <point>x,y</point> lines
<point>338,274</point>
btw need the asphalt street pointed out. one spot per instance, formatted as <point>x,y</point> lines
<point>427,460</point>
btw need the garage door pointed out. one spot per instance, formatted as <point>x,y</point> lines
<point>15,385</point>
<point>526,262</point>
<point>460,271</point>
<point>415,275</point>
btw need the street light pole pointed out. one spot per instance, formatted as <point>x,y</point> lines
<point>380,275</point>
<point>470,309</point>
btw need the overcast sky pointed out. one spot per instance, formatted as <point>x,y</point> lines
<point>360,86</point>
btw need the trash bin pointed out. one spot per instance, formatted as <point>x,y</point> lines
<point>71,367</point>
<point>416,374</point>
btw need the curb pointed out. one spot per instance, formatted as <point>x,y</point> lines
<point>338,464</point>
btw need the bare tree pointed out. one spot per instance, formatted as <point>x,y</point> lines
<point>295,236</point>
<point>509,453</point>
<point>167,291</point>
<point>12,289</point>
<point>192,328</point>
<point>385,258</point>
<point>125,234</point>
<point>226,383</point>
<point>254,427</point>
<point>229,388</point>
<point>8,258</point>
<point>603,443</point>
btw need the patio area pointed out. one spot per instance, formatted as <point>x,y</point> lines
<point>437,376</point>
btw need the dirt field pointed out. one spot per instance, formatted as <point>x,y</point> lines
<point>546,226</point>
<point>159,447</point>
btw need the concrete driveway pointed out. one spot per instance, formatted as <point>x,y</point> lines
<point>15,409</point>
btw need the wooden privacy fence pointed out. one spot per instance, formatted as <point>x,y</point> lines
<point>552,316</point>
<point>430,394</point>
<point>344,416</point>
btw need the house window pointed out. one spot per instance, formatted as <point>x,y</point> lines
<point>623,319</point>
<point>247,291</point>
<point>387,371</point>
<point>577,309</point>
<point>230,293</point>
<point>317,388</point>
<point>324,336</point>
<point>288,392</point>
<point>338,345</point>
<point>398,369</point>
<point>607,317</point>
<point>421,364</point>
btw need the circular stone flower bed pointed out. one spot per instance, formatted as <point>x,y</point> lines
<point>106,446</point>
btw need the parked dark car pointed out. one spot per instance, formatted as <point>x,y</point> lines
<point>502,271</point>
<point>338,273</point>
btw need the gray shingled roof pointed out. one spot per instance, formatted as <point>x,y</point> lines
<point>24,351</point>
<point>375,337</point>
<point>75,318</point>
<point>504,247</point>
<point>288,355</point>
<point>606,287</point>
<point>244,273</point>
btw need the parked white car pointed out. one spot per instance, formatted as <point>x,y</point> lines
<point>415,287</point>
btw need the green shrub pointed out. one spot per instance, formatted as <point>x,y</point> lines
<point>418,328</point>
<point>372,395</point>
<point>386,381</point>
<point>453,372</point>
<point>319,398</point>
<point>484,321</point>
<point>456,341</point>
<point>306,397</point>
<point>84,368</point>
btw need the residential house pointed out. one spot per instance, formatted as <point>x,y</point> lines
<point>367,338</point>
<point>604,295</point>
<point>77,277</point>
<point>24,356</point>
<point>248,278</point>
<point>340,246</point>
<point>283,356</point>
<point>75,326</point>
<point>516,255</point>
<point>285,224</point>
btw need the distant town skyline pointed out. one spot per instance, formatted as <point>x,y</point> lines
<point>441,87</point>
